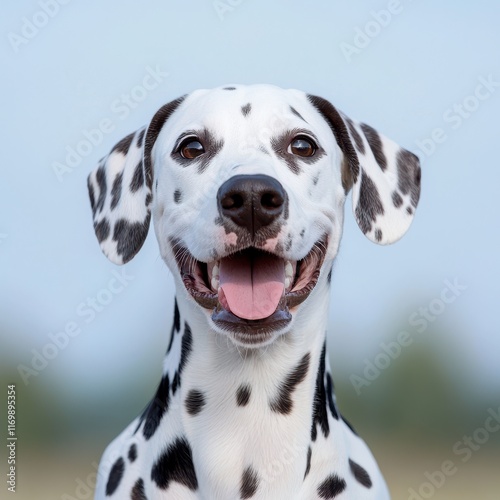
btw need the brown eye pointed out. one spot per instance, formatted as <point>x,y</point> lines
<point>191,148</point>
<point>303,146</point>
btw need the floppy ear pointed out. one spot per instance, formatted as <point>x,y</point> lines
<point>120,190</point>
<point>384,177</point>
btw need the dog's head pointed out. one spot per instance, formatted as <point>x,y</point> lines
<point>246,186</point>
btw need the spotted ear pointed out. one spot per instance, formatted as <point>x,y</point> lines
<point>120,190</point>
<point>384,177</point>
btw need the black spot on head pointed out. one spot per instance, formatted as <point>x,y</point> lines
<point>124,145</point>
<point>283,402</point>
<point>115,476</point>
<point>375,144</point>
<point>130,236</point>
<point>177,196</point>
<point>331,487</point>
<point>138,492</point>
<point>132,452</point>
<point>140,137</point>
<point>378,234</point>
<point>116,190</point>
<point>175,464</point>
<point>360,474</point>
<point>308,461</point>
<point>302,232</point>
<point>316,179</point>
<point>101,182</point>
<point>369,203</point>
<point>358,141</point>
<point>138,178</point>
<point>329,393</point>
<point>229,88</point>
<point>157,408</point>
<point>102,229</point>
<point>296,113</point>
<point>320,416</point>
<point>246,109</point>
<point>91,194</point>
<point>409,210</point>
<point>329,277</point>
<point>154,128</point>
<point>195,401</point>
<point>243,395</point>
<point>409,174</point>
<point>249,483</point>
<point>396,199</point>
<point>149,198</point>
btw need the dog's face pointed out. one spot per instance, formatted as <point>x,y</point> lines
<point>246,186</point>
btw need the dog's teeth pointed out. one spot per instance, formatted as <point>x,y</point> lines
<point>215,283</point>
<point>288,270</point>
<point>215,272</point>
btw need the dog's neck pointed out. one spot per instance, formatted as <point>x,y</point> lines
<point>257,407</point>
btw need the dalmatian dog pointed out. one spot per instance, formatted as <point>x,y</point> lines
<point>246,188</point>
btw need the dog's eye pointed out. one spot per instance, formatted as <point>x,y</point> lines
<point>191,148</point>
<point>303,146</point>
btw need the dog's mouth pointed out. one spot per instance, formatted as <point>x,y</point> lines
<point>251,292</point>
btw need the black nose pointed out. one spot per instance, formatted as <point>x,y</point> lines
<point>251,201</point>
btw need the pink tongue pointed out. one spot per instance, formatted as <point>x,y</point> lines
<point>252,286</point>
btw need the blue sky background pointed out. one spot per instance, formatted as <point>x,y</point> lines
<point>67,78</point>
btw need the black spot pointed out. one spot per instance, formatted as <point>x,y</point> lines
<point>154,128</point>
<point>409,175</point>
<point>177,196</point>
<point>176,327</point>
<point>338,127</point>
<point>115,476</point>
<point>409,210</point>
<point>249,483</point>
<point>329,393</point>
<point>157,408</point>
<point>91,194</point>
<point>378,234</point>
<point>132,452</point>
<point>349,425</point>
<point>308,462</point>
<point>375,144</point>
<point>124,145</point>
<point>246,109</point>
<point>280,146</point>
<point>396,199</point>
<point>138,178</point>
<point>329,277</point>
<point>369,204</point>
<point>229,88</point>
<point>195,401</point>
<point>130,236</point>
<point>149,198</point>
<point>320,416</point>
<point>360,474</point>
<point>283,402</point>
<point>358,141</point>
<point>316,179</point>
<point>102,229</point>
<point>243,395</point>
<point>116,190</point>
<point>296,113</point>
<point>101,182</point>
<point>186,347</point>
<point>289,241</point>
<point>302,232</point>
<point>175,464</point>
<point>175,383</point>
<point>138,492</point>
<point>331,487</point>
<point>140,137</point>
<point>264,150</point>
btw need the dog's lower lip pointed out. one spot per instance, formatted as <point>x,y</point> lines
<point>197,279</point>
